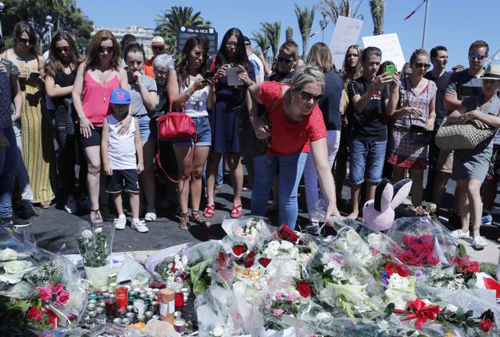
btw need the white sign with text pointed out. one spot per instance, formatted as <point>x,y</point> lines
<point>346,33</point>
<point>390,47</point>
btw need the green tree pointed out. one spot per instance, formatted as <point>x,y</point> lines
<point>289,34</point>
<point>261,40</point>
<point>348,8</point>
<point>305,19</point>
<point>174,18</point>
<point>377,9</point>
<point>273,32</point>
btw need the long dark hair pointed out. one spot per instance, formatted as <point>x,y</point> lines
<point>23,27</point>
<point>240,58</point>
<point>55,64</point>
<point>182,66</point>
<point>133,48</point>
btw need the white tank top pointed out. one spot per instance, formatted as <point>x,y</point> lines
<point>196,105</point>
<point>121,149</point>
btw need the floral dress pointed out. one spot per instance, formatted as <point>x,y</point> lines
<point>403,150</point>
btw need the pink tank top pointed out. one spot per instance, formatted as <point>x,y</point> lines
<point>96,98</point>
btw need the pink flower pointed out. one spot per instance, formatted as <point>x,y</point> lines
<point>268,306</point>
<point>291,298</point>
<point>57,288</point>
<point>45,294</point>
<point>278,312</point>
<point>277,297</point>
<point>62,297</point>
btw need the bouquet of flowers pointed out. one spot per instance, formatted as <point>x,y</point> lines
<point>174,269</point>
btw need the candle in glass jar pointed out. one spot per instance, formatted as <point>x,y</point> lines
<point>179,299</point>
<point>167,305</point>
<point>121,297</point>
<point>110,307</point>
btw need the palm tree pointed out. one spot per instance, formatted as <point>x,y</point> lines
<point>305,19</point>
<point>347,8</point>
<point>377,8</point>
<point>174,18</point>
<point>273,32</point>
<point>289,34</point>
<point>261,40</point>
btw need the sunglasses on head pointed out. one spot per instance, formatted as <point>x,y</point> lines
<point>473,57</point>
<point>307,96</point>
<point>422,65</point>
<point>23,40</point>
<point>282,59</point>
<point>103,49</point>
<point>61,49</point>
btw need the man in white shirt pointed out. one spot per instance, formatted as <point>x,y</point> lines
<point>257,63</point>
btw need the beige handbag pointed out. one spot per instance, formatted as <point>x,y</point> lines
<point>452,136</point>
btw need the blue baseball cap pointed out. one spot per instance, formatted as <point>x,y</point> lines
<point>120,96</point>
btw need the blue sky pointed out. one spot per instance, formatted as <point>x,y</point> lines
<point>453,23</point>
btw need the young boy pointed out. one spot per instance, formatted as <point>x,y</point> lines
<point>119,159</point>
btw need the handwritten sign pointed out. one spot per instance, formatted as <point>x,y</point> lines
<point>390,47</point>
<point>346,33</point>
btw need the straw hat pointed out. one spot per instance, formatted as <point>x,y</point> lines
<point>492,72</point>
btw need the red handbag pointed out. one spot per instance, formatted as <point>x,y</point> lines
<point>175,126</point>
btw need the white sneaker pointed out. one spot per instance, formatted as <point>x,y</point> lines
<point>71,206</point>
<point>479,242</point>
<point>120,222</point>
<point>459,234</point>
<point>139,226</point>
<point>151,214</point>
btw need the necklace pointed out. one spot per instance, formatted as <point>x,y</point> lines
<point>103,86</point>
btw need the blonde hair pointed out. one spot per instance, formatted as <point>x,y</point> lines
<point>321,57</point>
<point>417,53</point>
<point>308,74</point>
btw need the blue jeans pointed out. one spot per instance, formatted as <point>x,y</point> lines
<point>366,161</point>
<point>8,168</point>
<point>291,168</point>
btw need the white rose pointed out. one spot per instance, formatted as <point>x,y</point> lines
<point>15,267</point>
<point>374,239</point>
<point>98,229</point>
<point>323,316</point>
<point>218,331</point>
<point>87,234</point>
<point>239,288</point>
<point>353,238</point>
<point>451,307</point>
<point>8,254</point>
<point>342,244</point>
<point>286,245</point>
<point>274,245</point>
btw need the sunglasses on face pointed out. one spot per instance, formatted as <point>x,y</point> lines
<point>159,48</point>
<point>103,49</point>
<point>284,60</point>
<point>307,96</point>
<point>61,49</point>
<point>23,40</point>
<point>473,57</point>
<point>161,73</point>
<point>422,65</point>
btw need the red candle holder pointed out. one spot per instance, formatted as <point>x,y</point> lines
<point>122,297</point>
<point>179,299</point>
<point>110,307</point>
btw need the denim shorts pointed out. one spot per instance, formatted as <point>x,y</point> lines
<point>144,128</point>
<point>366,161</point>
<point>203,130</point>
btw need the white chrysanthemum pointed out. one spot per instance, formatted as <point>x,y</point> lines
<point>87,234</point>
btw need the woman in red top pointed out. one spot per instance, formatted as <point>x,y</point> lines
<point>97,77</point>
<point>297,126</point>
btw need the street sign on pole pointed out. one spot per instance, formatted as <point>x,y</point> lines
<point>184,33</point>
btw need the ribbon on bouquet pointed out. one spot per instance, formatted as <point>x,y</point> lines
<point>418,310</point>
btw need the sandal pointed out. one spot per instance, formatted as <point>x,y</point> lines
<point>96,217</point>
<point>237,211</point>
<point>45,204</point>
<point>209,211</point>
<point>197,219</point>
<point>184,224</point>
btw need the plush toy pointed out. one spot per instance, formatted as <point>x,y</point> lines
<point>379,213</point>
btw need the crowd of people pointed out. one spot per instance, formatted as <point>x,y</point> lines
<point>359,124</point>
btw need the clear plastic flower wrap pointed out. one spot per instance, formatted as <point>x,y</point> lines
<point>165,254</point>
<point>251,229</point>
<point>422,242</point>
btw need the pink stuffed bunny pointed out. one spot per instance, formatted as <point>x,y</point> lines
<point>379,213</point>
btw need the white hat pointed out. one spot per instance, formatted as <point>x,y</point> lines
<point>157,39</point>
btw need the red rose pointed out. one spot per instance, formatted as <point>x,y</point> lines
<point>57,288</point>
<point>304,288</point>
<point>285,233</point>
<point>252,254</point>
<point>486,324</point>
<point>239,249</point>
<point>34,314</point>
<point>221,257</point>
<point>248,263</point>
<point>264,261</point>
<point>45,294</point>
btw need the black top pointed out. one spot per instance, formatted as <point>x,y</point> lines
<point>442,84</point>
<point>465,85</point>
<point>330,103</point>
<point>64,80</point>
<point>282,78</point>
<point>368,124</point>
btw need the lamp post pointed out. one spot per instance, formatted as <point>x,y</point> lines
<point>323,23</point>
<point>49,25</point>
<point>2,6</point>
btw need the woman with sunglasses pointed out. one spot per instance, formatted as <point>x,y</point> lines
<point>60,76</point>
<point>36,135</point>
<point>224,121</point>
<point>412,108</point>
<point>297,127</point>
<point>96,78</point>
<point>188,88</point>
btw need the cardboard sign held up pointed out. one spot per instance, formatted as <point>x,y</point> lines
<point>390,47</point>
<point>346,33</point>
